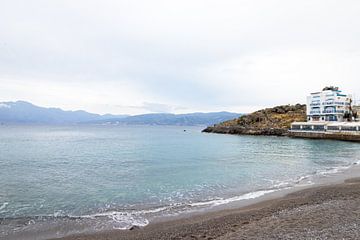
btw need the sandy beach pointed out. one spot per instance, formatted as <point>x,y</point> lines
<point>322,212</point>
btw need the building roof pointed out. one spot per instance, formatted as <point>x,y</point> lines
<point>332,88</point>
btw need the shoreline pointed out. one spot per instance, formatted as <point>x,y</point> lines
<point>279,164</point>
<point>302,212</point>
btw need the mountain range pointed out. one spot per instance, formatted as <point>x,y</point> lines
<point>25,112</point>
<point>21,112</point>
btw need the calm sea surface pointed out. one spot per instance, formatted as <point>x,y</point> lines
<point>68,179</point>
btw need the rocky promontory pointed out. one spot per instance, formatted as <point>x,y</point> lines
<point>270,121</point>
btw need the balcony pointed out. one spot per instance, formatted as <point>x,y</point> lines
<point>333,111</point>
<point>334,103</point>
<point>339,103</point>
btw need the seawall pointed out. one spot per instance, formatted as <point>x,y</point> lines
<point>345,136</point>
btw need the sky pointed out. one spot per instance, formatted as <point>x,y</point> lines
<point>142,56</point>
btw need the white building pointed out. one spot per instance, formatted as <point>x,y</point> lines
<point>328,105</point>
<point>356,111</point>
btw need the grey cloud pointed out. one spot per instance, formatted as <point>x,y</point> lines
<point>199,54</point>
<point>154,107</point>
<point>157,107</point>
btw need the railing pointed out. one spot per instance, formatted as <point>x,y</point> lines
<point>333,111</point>
<point>322,128</point>
<point>341,103</point>
<point>335,103</point>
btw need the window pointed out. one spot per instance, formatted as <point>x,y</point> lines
<point>319,127</point>
<point>295,127</point>
<point>333,128</point>
<point>307,127</point>
<point>347,128</point>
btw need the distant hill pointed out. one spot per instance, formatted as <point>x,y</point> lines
<point>269,121</point>
<point>25,112</point>
<point>190,119</point>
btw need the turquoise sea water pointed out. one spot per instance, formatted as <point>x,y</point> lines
<point>92,178</point>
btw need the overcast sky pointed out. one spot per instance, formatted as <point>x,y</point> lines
<point>176,56</point>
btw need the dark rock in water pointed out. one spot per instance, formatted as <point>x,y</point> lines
<point>270,121</point>
<point>134,227</point>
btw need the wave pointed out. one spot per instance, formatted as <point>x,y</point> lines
<point>3,206</point>
<point>221,201</point>
<point>126,218</point>
<point>334,170</point>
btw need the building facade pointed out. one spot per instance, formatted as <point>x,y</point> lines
<point>330,115</point>
<point>329,105</point>
<point>356,112</point>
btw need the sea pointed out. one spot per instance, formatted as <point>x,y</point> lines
<point>61,180</point>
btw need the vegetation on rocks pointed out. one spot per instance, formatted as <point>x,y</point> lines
<point>270,121</point>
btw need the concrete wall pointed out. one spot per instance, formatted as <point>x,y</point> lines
<point>322,135</point>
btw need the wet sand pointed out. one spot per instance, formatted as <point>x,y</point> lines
<point>322,212</point>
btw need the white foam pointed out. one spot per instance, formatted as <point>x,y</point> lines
<point>3,206</point>
<point>126,219</point>
<point>59,213</point>
<point>222,201</point>
<point>282,184</point>
<point>134,212</point>
<point>302,178</point>
<point>333,170</point>
<point>300,181</point>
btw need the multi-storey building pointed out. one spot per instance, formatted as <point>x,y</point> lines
<point>328,105</point>
<point>330,115</point>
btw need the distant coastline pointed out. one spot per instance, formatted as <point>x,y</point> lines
<point>21,112</point>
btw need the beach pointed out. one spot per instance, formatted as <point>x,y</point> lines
<point>321,212</point>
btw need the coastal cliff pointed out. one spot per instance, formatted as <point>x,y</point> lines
<point>270,121</point>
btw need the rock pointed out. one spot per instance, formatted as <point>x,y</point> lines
<point>270,121</point>
<point>134,227</point>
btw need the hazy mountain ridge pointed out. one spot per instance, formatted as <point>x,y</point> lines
<point>190,119</point>
<point>25,112</point>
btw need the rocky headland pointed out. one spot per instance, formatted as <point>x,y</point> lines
<point>270,121</point>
